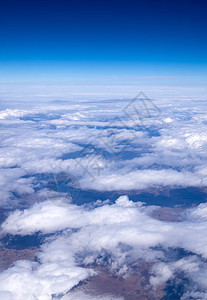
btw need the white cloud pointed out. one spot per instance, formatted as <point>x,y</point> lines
<point>105,229</point>
<point>169,150</point>
<point>143,179</point>
<point>31,280</point>
<point>172,157</point>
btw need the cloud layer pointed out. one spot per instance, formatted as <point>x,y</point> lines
<point>120,145</point>
<point>125,231</point>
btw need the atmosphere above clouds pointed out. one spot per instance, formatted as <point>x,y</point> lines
<point>91,40</point>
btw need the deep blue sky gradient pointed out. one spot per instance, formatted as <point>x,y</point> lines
<point>51,39</point>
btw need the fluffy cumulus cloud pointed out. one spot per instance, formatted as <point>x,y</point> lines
<point>108,146</point>
<point>27,280</point>
<point>125,231</point>
<point>142,179</point>
<point>114,145</point>
<point>40,139</point>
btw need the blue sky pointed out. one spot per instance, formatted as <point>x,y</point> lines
<point>86,40</point>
